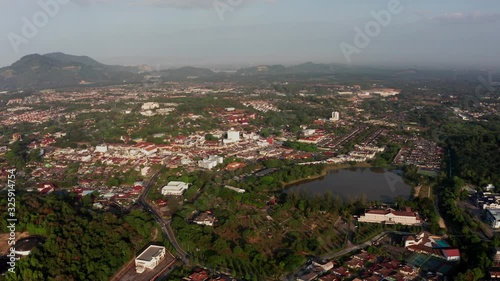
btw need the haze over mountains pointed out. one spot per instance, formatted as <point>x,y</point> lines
<point>58,70</point>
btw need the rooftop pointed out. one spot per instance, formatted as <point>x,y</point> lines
<point>151,252</point>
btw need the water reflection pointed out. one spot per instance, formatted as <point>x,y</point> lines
<point>375,184</point>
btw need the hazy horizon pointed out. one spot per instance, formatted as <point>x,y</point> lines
<point>172,33</point>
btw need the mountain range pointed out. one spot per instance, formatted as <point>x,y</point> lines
<point>58,70</point>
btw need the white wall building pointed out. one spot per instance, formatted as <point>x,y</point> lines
<point>150,106</point>
<point>150,258</point>
<point>232,137</point>
<point>335,116</point>
<point>235,189</point>
<point>308,132</point>
<point>103,148</point>
<point>390,216</point>
<point>210,162</point>
<point>175,188</point>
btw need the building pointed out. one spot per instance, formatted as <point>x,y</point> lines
<point>150,106</point>
<point>150,258</point>
<point>46,188</point>
<point>493,217</point>
<point>16,137</point>
<point>451,254</point>
<point>235,189</point>
<point>335,116</point>
<point>309,276</point>
<point>496,257</point>
<point>175,188</point>
<point>232,137</point>
<point>205,219</point>
<point>489,187</point>
<point>391,216</point>
<point>101,148</point>
<point>428,244</point>
<point>308,132</point>
<point>210,162</point>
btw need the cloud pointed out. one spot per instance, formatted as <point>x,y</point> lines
<point>467,18</point>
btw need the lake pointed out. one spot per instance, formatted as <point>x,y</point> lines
<point>376,183</point>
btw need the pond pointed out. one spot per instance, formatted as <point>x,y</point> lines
<point>375,183</point>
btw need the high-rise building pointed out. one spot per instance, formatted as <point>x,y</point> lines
<point>335,116</point>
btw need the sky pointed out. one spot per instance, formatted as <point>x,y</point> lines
<point>171,33</point>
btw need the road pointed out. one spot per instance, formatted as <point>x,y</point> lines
<point>165,224</point>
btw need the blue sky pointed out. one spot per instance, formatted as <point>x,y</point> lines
<point>446,33</point>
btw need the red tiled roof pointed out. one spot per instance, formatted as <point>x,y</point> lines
<point>451,252</point>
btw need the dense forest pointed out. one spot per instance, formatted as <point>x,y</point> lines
<point>81,244</point>
<point>475,151</point>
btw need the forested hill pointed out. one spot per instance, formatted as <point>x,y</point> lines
<point>81,244</point>
<point>61,70</point>
<point>475,151</point>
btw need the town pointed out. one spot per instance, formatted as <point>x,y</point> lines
<point>210,167</point>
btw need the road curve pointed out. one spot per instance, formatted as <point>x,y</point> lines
<point>165,225</point>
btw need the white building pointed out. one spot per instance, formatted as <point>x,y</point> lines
<point>204,219</point>
<point>335,116</point>
<point>489,187</point>
<point>103,148</point>
<point>232,137</point>
<point>210,162</point>
<point>175,188</point>
<point>150,106</point>
<point>390,216</point>
<point>150,258</point>
<point>235,189</point>
<point>308,132</point>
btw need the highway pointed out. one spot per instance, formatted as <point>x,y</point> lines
<point>165,224</point>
